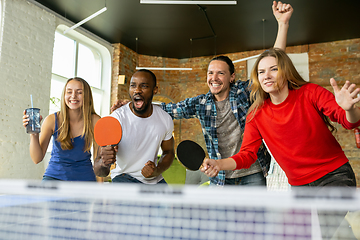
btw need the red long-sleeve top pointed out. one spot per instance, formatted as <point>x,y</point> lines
<point>297,135</point>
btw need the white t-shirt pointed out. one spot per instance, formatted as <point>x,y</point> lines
<point>141,140</point>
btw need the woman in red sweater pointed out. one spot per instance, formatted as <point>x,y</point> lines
<point>291,116</point>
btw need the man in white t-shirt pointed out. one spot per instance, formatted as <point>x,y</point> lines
<point>145,128</point>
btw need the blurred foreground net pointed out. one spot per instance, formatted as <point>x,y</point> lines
<point>63,210</point>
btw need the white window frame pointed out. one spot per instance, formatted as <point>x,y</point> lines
<point>2,15</point>
<point>105,88</point>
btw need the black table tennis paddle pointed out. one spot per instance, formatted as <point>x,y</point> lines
<point>190,154</point>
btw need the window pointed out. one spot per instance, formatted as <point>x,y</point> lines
<point>76,55</point>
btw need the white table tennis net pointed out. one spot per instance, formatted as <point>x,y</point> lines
<point>34,210</point>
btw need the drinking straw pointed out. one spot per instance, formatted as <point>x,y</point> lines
<point>32,105</point>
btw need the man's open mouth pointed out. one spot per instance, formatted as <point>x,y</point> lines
<point>138,101</point>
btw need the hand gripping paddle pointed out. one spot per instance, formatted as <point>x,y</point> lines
<point>190,154</point>
<point>107,131</point>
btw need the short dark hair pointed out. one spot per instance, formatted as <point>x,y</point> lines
<point>227,60</point>
<point>149,72</point>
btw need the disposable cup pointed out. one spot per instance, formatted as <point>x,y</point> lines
<point>34,120</point>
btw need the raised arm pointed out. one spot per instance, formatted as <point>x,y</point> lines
<point>346,98</point>
<point>282,12</point>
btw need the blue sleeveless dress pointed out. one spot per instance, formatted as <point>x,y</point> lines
<point>70,165</point>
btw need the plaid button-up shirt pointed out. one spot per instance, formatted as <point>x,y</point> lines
<point>203,107</point>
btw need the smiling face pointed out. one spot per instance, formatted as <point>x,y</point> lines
<point>269,81</point>
<point>142,89</point>
<point>219,79</point>
<point>267,74</point>
<point>74,94</point>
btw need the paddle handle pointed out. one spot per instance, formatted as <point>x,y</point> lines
<point>111,146</point>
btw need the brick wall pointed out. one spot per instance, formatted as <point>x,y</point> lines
<point>25,68</point>
<point>340,60</point>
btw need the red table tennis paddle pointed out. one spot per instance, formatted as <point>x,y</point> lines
<point>107,131</point>
<point>190,154</point>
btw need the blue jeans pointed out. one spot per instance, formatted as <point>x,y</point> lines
<point>126,178</point>
<point>47,178</point>
<point>256,179</point>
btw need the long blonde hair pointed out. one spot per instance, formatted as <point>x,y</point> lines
<point>287,74</point>
<point>64,120</point>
